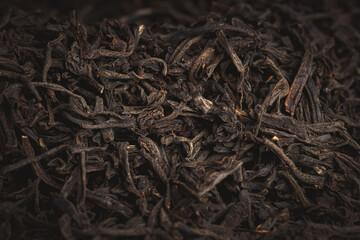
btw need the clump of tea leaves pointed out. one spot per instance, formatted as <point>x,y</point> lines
<point>191,120</point>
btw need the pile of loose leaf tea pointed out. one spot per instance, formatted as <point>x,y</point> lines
<point>181,120</point>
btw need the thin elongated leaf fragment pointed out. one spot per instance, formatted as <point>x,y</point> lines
<point>299,83</point>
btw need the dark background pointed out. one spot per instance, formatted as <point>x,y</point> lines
<point>89,10</point>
